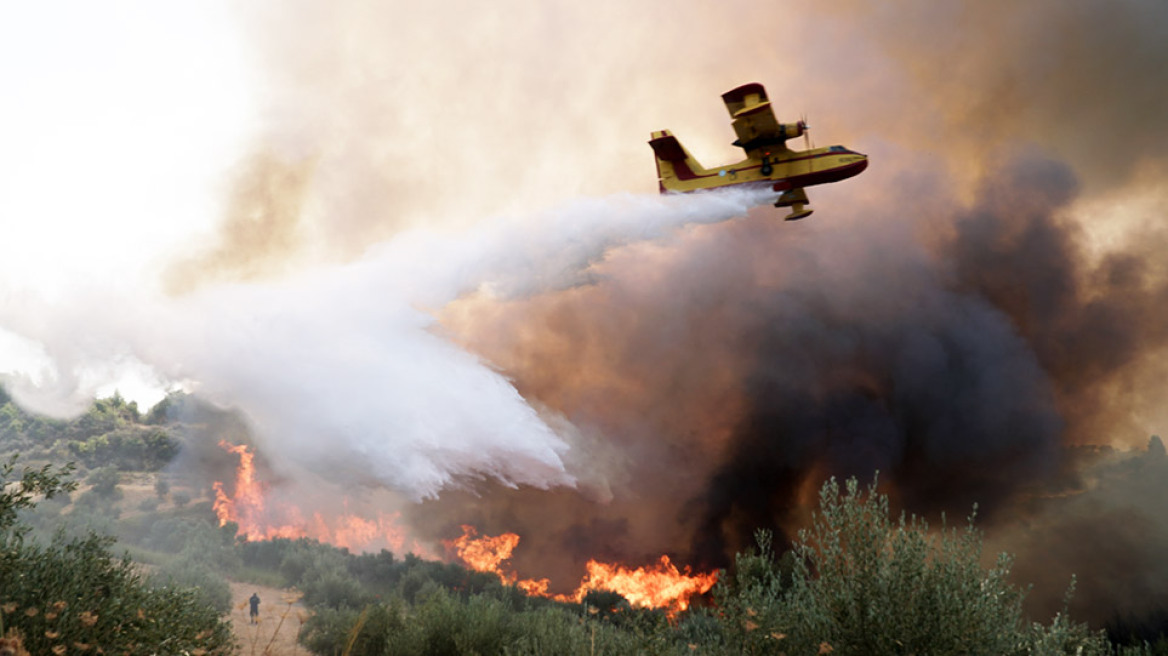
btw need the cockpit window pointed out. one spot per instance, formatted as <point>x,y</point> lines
<point>837,149</point>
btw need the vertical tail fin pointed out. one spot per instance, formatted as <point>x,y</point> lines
<point>674,163</point>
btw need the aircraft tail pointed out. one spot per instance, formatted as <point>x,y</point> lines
<point>675,165</point>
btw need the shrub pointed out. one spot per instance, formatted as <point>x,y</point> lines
<point>197,540</point>
<point>105,482</point>
<point>865,584</point>
<point>294,565</point>
<point>444,624</point>
<point>91,504</point>
<point>368,631</point>
<point>130,447</point>
<point>605,602</point>
<point>73,594</point>
<point>210,588</point>
<point>181,498</point>
<point>265,554</point>
<point>332,587</point>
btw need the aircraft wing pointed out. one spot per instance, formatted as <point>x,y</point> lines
<point>754,120</point>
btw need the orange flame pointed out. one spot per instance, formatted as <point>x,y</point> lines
<point>249,497</point>
<point>259,520</point>
<point>486,554</point>
<point>658,586</point>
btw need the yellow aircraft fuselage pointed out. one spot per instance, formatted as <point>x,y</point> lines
<point>789,169</point>
<point>768,163</point>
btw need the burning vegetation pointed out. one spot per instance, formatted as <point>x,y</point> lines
<point>259,518</point>
<point>655,586</point>
<point>661,585</point>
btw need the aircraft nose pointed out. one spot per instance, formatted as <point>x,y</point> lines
<point>857,167</point>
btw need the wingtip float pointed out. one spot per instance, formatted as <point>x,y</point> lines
<point>769,162</point>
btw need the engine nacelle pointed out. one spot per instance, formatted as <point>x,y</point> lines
<point>792,130</point>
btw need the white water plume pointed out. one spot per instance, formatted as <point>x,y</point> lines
<point>339,368</point>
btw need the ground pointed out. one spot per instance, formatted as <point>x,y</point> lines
<point>281,615</point>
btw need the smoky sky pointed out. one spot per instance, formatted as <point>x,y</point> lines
<point>760,356</point>
<point>987,292</point>
<point>1078,77</point>
<point>950,318</point>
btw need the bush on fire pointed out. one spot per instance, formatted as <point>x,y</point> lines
<point>856,582</point>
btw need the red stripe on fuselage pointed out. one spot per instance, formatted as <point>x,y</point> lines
<point>795,181</point>
<point>822,177</point>
<point>694,176</point>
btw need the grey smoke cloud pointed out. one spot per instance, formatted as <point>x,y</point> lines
<point>948,317</point>
<point>957,349</point>
<point>341,369</point>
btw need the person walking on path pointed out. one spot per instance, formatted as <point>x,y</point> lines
<point>255,606</point>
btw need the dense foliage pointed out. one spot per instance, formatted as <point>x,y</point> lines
<point>109,434</point>
<point>73,594</point>
<point>858,580</point>
<point>864,583</point>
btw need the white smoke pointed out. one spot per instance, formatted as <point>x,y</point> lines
<point>341,369</point>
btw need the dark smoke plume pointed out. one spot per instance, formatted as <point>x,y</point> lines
<point>959,384</point>
<point>1080,77</point>
<point>956,329</point>
<point>1089,323</point>
<point>736,370</point>
<point>717,376</point>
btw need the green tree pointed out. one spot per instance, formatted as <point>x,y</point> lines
<point>74,595</point>
<point>103,416</point>
<point>866,584</point>
<point>210,588</point>
<point>105,482</point>
<point>130,447</point>
<point>20,493</point>
<point>181,498</point>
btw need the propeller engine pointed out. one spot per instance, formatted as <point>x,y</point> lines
<point>791,130</point>
<point>799,128</point>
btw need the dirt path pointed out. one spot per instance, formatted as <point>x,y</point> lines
<point>280,618</point>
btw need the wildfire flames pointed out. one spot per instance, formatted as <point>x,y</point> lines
<point>656,586</point>
<point>260,520</point>
<point>486,554</point>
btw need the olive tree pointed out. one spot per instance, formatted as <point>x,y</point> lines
<point>74,594</point>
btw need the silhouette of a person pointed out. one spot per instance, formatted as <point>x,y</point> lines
<point>255,606</point>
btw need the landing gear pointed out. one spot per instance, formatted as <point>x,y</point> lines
<point>796,199</point>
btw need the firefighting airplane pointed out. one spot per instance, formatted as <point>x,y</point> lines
<point>768,163</point>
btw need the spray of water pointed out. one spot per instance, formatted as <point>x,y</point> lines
<point>341,368</point>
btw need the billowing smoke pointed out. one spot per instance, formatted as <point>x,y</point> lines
<point>338,367</point>
<point>610,378</point>
<point>957,354</point>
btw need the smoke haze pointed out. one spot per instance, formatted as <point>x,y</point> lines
<point>440,268</point>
